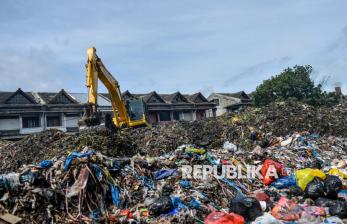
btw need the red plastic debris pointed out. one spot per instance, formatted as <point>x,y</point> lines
<point>279,167</point>
<point>224,218</point>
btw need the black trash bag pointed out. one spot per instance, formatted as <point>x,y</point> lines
<point>316,164</point>
<point>339,209</point>
<point>247,207</point>
<point>336,207</point>
<point>294,191</point>
<point>332,185</point>
<point>315,189</point>
<point>323,202</point>
<point>265,143</point>
<point>253,136</point>
<point>161,206</point>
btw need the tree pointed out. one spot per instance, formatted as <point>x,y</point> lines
<point>293,84</point>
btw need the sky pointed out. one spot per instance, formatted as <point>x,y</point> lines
<point>168,46</point>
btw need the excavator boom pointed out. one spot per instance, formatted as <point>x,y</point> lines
<point>96,70</point>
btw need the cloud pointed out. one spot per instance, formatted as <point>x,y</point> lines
<point>169,46</point>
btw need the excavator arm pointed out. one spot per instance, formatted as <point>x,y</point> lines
<point>97,71</point>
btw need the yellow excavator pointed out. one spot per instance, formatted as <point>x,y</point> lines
<point>129,113</point>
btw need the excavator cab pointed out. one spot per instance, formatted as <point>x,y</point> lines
<point>135,109</point>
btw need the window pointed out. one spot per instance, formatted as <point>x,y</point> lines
<point>176,115</point>
<point>164,116</point>
<point>31,122</point>
<point>53,121</point>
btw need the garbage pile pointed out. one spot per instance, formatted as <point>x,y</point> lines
<point>139,175</point>
<point>278,119</point>
<point>87,186</point>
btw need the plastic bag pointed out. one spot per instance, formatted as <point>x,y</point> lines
<point>336,207</point>
<point>9,181</point>
<point>287,210</point>
<point>45,164</point>
<point>315,189</point>
<point>247,207</point>
<point>74,155</point>
<point>279,168</point>
<point>185,184</point>
<point>332,185</point>
<point>195,150</point>
<point>266,219</point>
<point>162,174</point>
<point>284,182</point>
<point>115,195</point>
<point>79,184</point>
<point>161,206</point>
<point>229,146</point>
<point>224,218</point>
<point>333,220</point>
<point>305,176</point>
<point>337,172</point>
<point>342,194</point>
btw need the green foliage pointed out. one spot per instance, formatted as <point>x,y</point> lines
<point>293,84</point>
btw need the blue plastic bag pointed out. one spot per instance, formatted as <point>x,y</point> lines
<point>115,195</point>
<point>177,203</point>
<point>98,171</point>
<point>185,184</point>
<point>74,155</point>
<point>194,204</point>
<point>284,182</point>
<point>45,164</point>
<point>162,174</point>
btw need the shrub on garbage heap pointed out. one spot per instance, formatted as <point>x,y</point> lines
<point>293,84</point>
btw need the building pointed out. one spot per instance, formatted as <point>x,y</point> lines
<point>227,102</point>
<point>24,113</point>
<point>176,106</point>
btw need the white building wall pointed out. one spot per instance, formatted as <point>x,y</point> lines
<point>9,124</point>
<point>72,122</point>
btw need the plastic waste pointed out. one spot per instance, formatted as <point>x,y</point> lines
<point>162,174</point>
<point>333,220</point>
<point>284,182</point>
<point>305,176</point>
<point>79,184</point>
<point>247,207</point>
<point>229,146</point>
<point>342,194</point>
<point>195,150</point>
<point>115,195</point>
<point>315,189</point>
<point>161,206</point>
<point>9,181</point>
<point>45,164</point>
<point>177,203</point>
<point>336,207</point>
<point>339,209</point>
<point>337,172</point>
<point>194,204</point>
<point>224,218</point>
<point>279,168</point>
<point>74,155</point>
<point>266,219</point>
<point>332,185</point>
<point>286,210</point>
<point>185,184</point>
